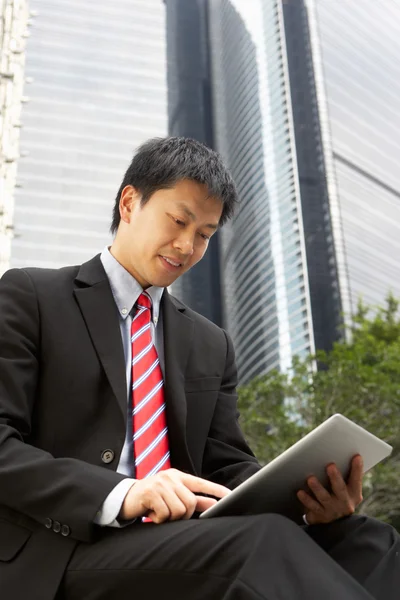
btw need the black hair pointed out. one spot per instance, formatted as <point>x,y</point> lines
<point>160,163</point>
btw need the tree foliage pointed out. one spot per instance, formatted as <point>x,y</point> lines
<point>359,378</point>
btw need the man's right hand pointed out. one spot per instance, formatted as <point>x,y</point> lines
<point>170,495</point>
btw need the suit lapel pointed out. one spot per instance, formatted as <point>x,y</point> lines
<point>178,331</point>
<point>100,313</point>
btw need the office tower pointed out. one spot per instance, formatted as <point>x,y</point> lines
<point>264,268</point>
<point>190,115</point>
<point>305,114</point>
<point>356,50</point>
<point>13,33</point>
<point>97,90</point>
<point>268,296</point>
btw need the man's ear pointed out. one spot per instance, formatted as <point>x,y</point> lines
<point>130,197</point>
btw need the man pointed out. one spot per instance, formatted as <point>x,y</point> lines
<point>118,423</point>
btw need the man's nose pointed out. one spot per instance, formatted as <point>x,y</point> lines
<point>185,244</point>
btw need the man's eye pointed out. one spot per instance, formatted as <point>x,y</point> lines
<point>205,237</point>
<point>178,221</point>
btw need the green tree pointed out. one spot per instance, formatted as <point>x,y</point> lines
<point>359,378</point>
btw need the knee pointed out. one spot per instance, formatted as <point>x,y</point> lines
<point>365,530</point>
<point>383,531</point>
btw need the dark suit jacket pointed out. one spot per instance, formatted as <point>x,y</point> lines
<point>63,403</point>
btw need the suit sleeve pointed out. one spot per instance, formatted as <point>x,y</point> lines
<point>32,481</point>
<point>228,459</point>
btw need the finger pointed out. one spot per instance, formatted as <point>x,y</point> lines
<point>338,484</point>
<point>356,478</point>
<point>176,507</point>
<point>202,486</point>
<point>321,494</point>
<point>204,503</point>
<point>309,503</point>
<point>188,499</point>
<point>157,509</point>
<point>345,504</point>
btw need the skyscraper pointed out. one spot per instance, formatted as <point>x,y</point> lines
<point>356,51</point>
<point>251,294</point>
<point>190,115</point>
<point>304,114</point>
<point>97,90</point>
<point>13,33</point>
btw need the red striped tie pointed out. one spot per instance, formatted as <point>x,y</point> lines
<point>150,435</point>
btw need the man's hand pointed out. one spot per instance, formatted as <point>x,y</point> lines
<point>169,496</point>
<point>344,499</point>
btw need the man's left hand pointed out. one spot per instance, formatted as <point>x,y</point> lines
<point>340,502</point>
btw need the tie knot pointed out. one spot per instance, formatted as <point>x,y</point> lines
<point>144,301</point>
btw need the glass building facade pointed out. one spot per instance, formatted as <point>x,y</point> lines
<point>322,269</point>
<point>14,31</point>
<point>97,90</point>
<point>190,115</point>
<point>356,46</point>
<point>246,253</point>
<point>264,261</point>
<point>305,114</point>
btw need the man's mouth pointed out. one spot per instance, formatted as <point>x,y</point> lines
<point>174,263</point>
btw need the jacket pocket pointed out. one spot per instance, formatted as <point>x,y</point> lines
<point>12,539</point>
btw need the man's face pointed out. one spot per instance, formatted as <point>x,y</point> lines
<point>163,239</point>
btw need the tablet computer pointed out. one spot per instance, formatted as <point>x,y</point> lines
<point>274,487</point>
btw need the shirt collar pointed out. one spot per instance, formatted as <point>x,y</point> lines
<point>125,289</point>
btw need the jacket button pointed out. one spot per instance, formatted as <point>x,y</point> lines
<point>56,527</point>
<point>48,523</point>
<point>107,456</point>
<point>65,530</point>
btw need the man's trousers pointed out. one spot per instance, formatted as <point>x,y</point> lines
<point>264,557</point>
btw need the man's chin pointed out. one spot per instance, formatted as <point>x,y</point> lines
<point>166,283</point>
<point>163,281</point>
<point>164,277</point>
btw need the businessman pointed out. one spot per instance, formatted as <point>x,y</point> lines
<point>118,425</point>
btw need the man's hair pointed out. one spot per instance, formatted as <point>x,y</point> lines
<point>161,162</point>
